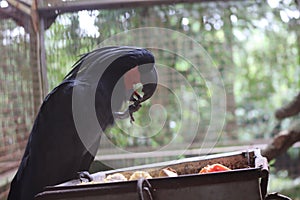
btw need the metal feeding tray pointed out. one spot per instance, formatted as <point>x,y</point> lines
<point>247,180</point>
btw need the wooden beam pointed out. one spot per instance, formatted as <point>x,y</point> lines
<point>20,18</point>
<point>50,7</point>
<point>20,6</point>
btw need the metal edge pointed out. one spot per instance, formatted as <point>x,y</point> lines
<point>173,162</point>
<point>238,175</point>
<point>262,163</point>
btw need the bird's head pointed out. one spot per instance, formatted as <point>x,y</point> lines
<point>134,66</point>
<point>113,70</point>
<point>147,77</point>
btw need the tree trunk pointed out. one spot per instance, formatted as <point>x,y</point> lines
<point>229,76</point>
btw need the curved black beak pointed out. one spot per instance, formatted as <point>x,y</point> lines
<point>149,82</point>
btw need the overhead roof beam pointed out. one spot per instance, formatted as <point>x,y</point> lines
<point>50,7</point>
<point>20,6</point>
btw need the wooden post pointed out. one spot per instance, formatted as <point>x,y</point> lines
<point>38,58</point>
<point>43,62</point>
<point>35,71</point>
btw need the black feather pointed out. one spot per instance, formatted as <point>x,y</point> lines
<point>55,151</point>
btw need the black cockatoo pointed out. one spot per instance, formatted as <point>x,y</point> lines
<point>66,132</point>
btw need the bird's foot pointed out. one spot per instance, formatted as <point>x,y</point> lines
<point>85,176</point>
<point>136,99</point>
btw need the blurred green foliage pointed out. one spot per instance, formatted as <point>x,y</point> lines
<point>254,44</point>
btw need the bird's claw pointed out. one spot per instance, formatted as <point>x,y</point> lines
<point>136,99</point>
<point>84,176</point>
<point>135,106</point>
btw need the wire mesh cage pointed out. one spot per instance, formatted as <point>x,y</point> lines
<point>16,94</point>
<point>238,38</point>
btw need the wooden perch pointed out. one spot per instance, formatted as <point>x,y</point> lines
<point>285,139</point>
<point>282,142</point>
<point>291,109</point>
